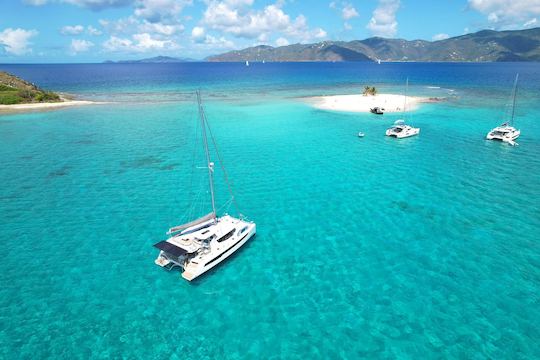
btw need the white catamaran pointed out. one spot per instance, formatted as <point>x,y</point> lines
<point>201,244</point>
<point>506,132</point>
<point>400,129</point>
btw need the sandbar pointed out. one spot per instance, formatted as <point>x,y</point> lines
<point>363,103</point>
<point>44,106</point>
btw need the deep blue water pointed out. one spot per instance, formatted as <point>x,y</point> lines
<point>274,76</point>
<point>376,248</point>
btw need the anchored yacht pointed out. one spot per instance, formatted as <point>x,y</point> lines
<point>400,129</point>
<point>506,132</point>
<point>201,244</point>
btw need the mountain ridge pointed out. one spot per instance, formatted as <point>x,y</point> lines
<point>481,46</point>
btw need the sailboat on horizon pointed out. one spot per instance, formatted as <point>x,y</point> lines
<point>199,245</point>
<point>506,132</point>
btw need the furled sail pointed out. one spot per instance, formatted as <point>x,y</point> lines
<point>205,218</point>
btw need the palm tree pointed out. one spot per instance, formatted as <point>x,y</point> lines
<point>369,90</point>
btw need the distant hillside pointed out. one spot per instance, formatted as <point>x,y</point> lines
<point>486,45</point>
<point>14,90</point>
<point>152,60</point>
<point>325,51</point>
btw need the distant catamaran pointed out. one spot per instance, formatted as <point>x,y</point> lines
<point>506,132</point>
<point>201,244</point>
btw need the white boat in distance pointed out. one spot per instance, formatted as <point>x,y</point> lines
<point>400,129</point>
<point>201,244</point>
<point>506,132</point>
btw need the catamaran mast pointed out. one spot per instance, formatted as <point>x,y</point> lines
<point>514,101</point>
<point>406,91</point>
<point>207,153</point>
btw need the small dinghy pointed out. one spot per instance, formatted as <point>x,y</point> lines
<point>361,134</point>
<point>377,110</point>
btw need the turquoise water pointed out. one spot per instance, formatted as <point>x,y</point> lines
<point>424,247</point>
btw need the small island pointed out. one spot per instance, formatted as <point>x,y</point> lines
<point>17,94</point>
<point>369,99</point>
<point>364,103</point>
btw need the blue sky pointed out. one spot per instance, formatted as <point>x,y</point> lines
<point>42,31</point>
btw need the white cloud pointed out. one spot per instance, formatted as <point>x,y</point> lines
<point>98,4</point>
<point>493,17</point>
<point>300,30</point>
<point>16,41</point>
<point>159,28</point>
<point>78,45</point>
<point>218,43</point>
<point>146,42</point>
<point>200,37</point>
<point>120,26</point>
<point>507,13</point>
<point>154,26</point>
<point>117,44</point>
<point>198,34</point>
<point>438,37</point>
<point>72,30</point>
<point>138,43</point>
<point>349,12</point>
<point>93,31</point>
<point>318,33</point>
<point>263,38</point>
<point>282,42</point>
<point>531,23</point>
<point>158,18</point>
<point>133,25</point>
<point>238,18</point>
<point>383,21</point>
<point>160,10</point>
<point>91,4</point>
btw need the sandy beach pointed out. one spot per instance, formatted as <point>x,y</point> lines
<point>361,103</point>
<point>43,106</point>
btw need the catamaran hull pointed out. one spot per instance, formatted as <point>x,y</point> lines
<point>402,135</point>
<point>511,137</point>
<point>190,272</point>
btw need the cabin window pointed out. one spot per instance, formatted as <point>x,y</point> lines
<point>227,235</point>
<point>243,230</point>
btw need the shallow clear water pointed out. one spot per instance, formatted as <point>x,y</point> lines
<point>417,248</point>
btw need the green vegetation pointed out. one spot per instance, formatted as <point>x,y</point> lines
<point>14,90</point>
<point>6,88</point>
<point>9,98</point>
<point>369,90</point>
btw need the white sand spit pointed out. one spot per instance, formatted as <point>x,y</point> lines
<point>44,106</point>
<point>361,103</point>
